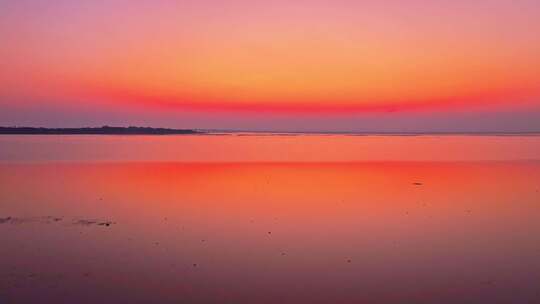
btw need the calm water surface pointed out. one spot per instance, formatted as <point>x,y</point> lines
<point>267,148</point>
<point>269,219</point>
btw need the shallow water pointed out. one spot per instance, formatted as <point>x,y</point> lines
<point>242,228</point>
<point>266,148</point>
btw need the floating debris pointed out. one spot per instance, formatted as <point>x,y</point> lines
<point>5,220</point>
<point>417,184</point>
<point>23,220</point>
<point>86,222</point>
<point>54,219</point>
<point>49,219</point>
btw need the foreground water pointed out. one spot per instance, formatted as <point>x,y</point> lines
<point>258,219</point>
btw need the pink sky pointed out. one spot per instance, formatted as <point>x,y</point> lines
<point>280,65</point>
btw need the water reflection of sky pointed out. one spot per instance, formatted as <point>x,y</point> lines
<point>379,232</point>
<point>264,148</point>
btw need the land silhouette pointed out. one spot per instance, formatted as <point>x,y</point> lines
<point>97,131</point>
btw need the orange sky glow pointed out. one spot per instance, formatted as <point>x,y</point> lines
<point>303,58</point>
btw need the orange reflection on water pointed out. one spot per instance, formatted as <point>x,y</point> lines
<point>252,232</point>
<point>267,148</point>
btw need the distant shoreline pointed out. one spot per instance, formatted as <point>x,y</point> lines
<point>107,130</point>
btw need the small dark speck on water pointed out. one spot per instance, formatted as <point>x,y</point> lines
<point>348,261</point>
<point>194,265</point>
<point>417,184</point>
<point>269,232</point>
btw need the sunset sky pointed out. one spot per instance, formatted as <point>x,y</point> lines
<point>334,65</point>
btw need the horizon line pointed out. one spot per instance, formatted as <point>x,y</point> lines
<point>202,131</point>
